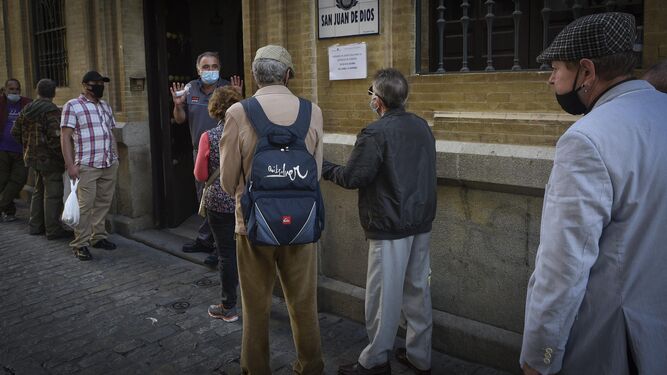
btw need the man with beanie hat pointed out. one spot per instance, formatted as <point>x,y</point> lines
<point>258,265</point>
<point>596,302</point>
<point>87,145</point>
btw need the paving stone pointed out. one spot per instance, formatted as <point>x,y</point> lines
<point>114,315</point>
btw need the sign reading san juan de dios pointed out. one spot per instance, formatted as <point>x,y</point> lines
<point>337,18</point>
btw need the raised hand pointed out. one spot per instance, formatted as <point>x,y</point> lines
<point>237,84</point>
<point>178,100</point>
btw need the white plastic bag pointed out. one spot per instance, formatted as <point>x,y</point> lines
<point>71,210</point>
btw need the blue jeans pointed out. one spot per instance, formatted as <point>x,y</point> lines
<point>222,228</point>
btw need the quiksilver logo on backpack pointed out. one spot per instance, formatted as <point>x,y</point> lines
<point>292,174</point>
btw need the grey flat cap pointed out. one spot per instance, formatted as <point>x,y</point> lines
<point>592,36</point>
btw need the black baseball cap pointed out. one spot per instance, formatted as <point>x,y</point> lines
<point>94,76</point>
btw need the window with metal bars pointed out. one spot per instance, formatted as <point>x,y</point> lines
<point>489,35</point>
<point>49,47</point>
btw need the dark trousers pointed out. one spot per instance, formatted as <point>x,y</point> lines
<point>204,232</point>
<point>222,228</point>
<point>13,174</point>
<point>296,267</point>
<point>47,202</point>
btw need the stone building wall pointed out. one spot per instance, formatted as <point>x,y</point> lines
<point>107,36</point>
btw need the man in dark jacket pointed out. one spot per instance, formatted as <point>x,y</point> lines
<point>38,130</point>
<point>12,171</point>
<point>393,166</point>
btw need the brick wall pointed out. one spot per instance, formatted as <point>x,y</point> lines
<point>655,32</point>
<point>76,16</point>
<point>3,47</point>
<point>102,35</point>
<point>133,60</point>
<point>345,103</point>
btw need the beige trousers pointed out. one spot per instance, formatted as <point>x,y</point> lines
<point>95,192</point>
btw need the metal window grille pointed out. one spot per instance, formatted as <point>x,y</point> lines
<point>489,35</point>
<point>50,47</point>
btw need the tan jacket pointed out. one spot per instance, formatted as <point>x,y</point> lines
<point>237,145</point>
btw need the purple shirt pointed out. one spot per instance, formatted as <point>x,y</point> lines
<point>7,142</point>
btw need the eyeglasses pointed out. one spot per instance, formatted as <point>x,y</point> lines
<point>371,92</point>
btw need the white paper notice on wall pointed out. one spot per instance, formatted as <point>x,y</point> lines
<point>347,61</point>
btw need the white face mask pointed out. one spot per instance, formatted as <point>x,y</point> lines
<point>373,106</point>
<point>13,97</point>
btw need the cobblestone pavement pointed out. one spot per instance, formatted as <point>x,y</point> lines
<point>137,310</point>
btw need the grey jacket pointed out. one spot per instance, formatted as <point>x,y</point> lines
<point>599,289</point>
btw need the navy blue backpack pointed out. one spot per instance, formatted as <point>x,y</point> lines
<point>282,203</point>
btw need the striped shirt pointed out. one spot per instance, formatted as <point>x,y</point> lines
<point>92,123</point>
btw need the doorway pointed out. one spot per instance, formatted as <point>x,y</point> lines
<point>176,32</point>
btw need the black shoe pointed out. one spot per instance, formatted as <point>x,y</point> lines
<point>197,247</point>
<point>82,253</point>
<point>358,369</point>
<point>402,357</point>
<point>60,234</point>
<point>35,232</point>
<point>211,260</point>
<point>104,244</point>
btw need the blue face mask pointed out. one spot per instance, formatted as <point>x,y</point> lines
<point>210,77</point>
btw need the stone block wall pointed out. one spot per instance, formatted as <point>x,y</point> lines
<point>483,245</point>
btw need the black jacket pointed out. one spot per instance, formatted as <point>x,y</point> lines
<point>393,166</point>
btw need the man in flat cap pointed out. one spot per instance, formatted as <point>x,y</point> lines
<point>596,300</point>
<point>258,265</point>
<point>87,144</point>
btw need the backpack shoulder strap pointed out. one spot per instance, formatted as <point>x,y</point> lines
<point>262,124</point>
<point>256,115</point>
<point>302,123</point>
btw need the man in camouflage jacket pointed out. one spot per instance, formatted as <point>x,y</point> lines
<point>38,130</point>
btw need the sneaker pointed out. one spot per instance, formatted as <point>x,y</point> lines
<point>358,369</point>
<point>104,244</point>
<point>211,260</point>
<point>220,312</point>
<point>8,217</point>
<point>402,357</point>
<point>197,247</point>
<point>82,253</point>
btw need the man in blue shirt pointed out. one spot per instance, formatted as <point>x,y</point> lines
<point>191,106</point>
<point>13,172</point>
